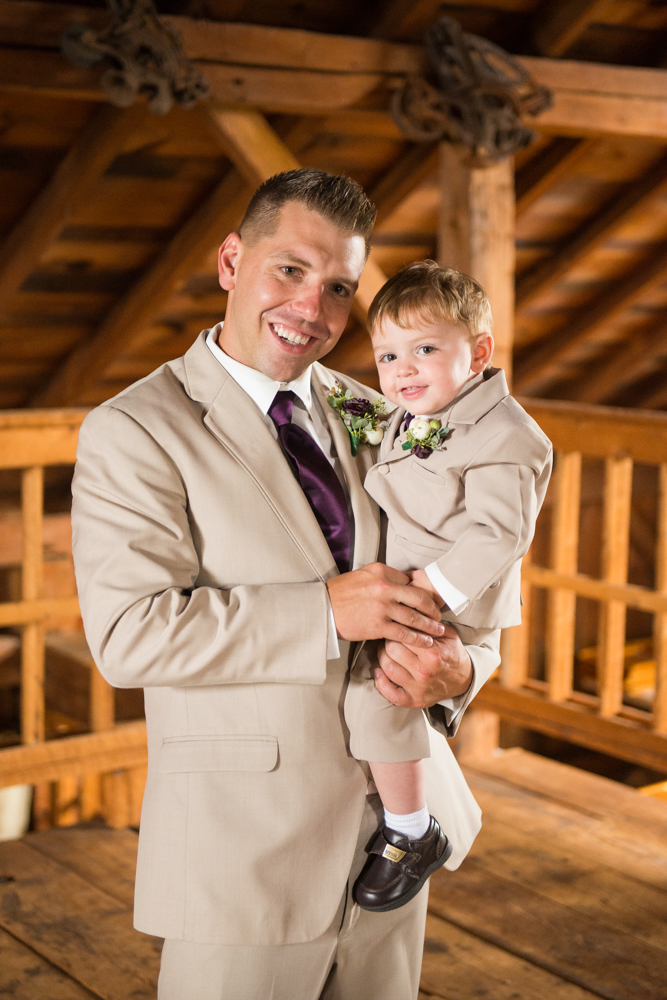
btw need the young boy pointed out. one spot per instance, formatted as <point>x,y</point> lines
<point>462,475</point>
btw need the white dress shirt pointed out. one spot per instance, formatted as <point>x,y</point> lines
<point>262,391</point>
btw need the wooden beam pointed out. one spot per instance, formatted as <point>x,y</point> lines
<point>100,142</point>
<point>637,357</point>
<point>311,73</point>
<point>415,166</point>
<point>638,197</point>
<point>476,235</point>
<point>577,724</point>
<point>86,365</point>
<point>543,363</point>
<point>541,173</point>
<point>404,18</point>
<point>599,431</point>
<point>559,25</point>
<point>259,153</point>
<point>656,399</point>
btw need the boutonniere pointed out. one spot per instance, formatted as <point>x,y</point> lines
<point>362,417</point>
<point>424,436</point>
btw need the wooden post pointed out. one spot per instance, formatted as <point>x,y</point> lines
<point>615,548</point>
<point>32,645</point>
<point>476,235</point>
<point>515,642</point>
<point>660,622</point>
<point>564,556</point>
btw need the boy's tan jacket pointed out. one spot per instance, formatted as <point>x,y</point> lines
<point>201,573</point>
<point>471,508</point>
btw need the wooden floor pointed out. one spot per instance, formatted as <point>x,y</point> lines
<point>564,896</point>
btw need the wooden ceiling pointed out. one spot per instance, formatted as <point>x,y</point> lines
<point>110,219</point>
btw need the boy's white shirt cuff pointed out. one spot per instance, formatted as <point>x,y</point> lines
<point>333,649</point>
<point>453,598</point>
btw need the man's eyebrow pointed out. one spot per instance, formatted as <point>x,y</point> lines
<point>286,255</point>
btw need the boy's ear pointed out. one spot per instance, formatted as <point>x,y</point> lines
<point>482,353</point>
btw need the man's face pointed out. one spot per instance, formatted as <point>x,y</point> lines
<point>290,294</point>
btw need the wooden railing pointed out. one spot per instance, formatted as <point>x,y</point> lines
<point>75,777</point>
<point>101,772</point>
<point>538,685</point>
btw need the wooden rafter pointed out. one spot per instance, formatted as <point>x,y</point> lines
<point>403,18</point>
<point>656,399</point>
<point>637,358</point>
<point>96,147</point>
<point>559,25</point>
<point>415,166</point>
<point>543,363</point>
<point>304,72</point>
<point>86,365</point>
<point>541,173</point>
<point>637,198</point>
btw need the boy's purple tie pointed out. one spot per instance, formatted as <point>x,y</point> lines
<point>316,477</point>
<point>407,419</point>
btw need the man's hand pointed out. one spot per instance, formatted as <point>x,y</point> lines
<point>419,678</point>
<point>375,602</point>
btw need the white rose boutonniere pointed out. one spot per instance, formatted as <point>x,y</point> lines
<point>425,436</point>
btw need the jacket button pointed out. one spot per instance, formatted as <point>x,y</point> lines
<point>384,469</point>
<point>496,583</point>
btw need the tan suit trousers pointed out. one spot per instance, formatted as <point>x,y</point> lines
<point>362,956</point>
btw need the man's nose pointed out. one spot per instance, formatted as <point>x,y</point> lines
<point>308,303</point>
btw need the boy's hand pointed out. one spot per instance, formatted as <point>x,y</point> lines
<point>419,578</point>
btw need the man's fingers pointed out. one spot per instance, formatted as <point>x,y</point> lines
<point>416,598</point>
<point>388,690</point>
<point>405,615</point>
<point>399,633</point>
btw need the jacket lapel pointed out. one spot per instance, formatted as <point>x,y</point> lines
<point>364,510</point>
<point>238,425</point>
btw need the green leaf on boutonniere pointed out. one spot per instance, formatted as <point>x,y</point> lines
<point>361,417</point>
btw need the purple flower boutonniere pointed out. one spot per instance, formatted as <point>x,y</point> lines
<point>425,436</point>
<point>362,417</point>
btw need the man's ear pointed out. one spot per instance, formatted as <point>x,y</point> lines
<point>482,352</point>
<point>229,256</point>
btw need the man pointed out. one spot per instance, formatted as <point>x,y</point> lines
<point>225,553</point>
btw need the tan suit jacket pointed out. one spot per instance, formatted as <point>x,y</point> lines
<point>201,573</point>
<point>471,508</point>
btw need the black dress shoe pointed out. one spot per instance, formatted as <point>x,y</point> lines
<point>397,867</point>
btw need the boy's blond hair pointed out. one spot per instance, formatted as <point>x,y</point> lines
<point>424,290</point>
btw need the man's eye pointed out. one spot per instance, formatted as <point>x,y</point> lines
<point>426,349</point>
<point>340,290</point>
<point>289,270</point>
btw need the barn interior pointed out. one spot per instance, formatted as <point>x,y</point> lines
<point>116,192</point>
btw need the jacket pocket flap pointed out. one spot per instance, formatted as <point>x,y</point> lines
<point>180,754</point>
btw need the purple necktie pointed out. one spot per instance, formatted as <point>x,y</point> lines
<point>407,419</point>
<point>316,477</point>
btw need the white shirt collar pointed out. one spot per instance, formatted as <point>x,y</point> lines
<point>259,387</point>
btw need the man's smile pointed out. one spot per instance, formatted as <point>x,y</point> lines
<point>292,340</point>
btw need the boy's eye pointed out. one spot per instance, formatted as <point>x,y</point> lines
<point>426,349</point>
<point>387,357</point>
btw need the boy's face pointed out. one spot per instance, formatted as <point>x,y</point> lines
<point>422,368</point>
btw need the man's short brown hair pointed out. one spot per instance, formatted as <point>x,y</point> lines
<point>337,198</point>
<point>426,291</point>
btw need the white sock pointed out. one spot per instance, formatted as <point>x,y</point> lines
<point>411,825</point>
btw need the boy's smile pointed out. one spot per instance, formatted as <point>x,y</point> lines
<point>424,367</point>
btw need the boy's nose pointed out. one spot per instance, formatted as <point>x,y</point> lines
<point>405,368</point>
